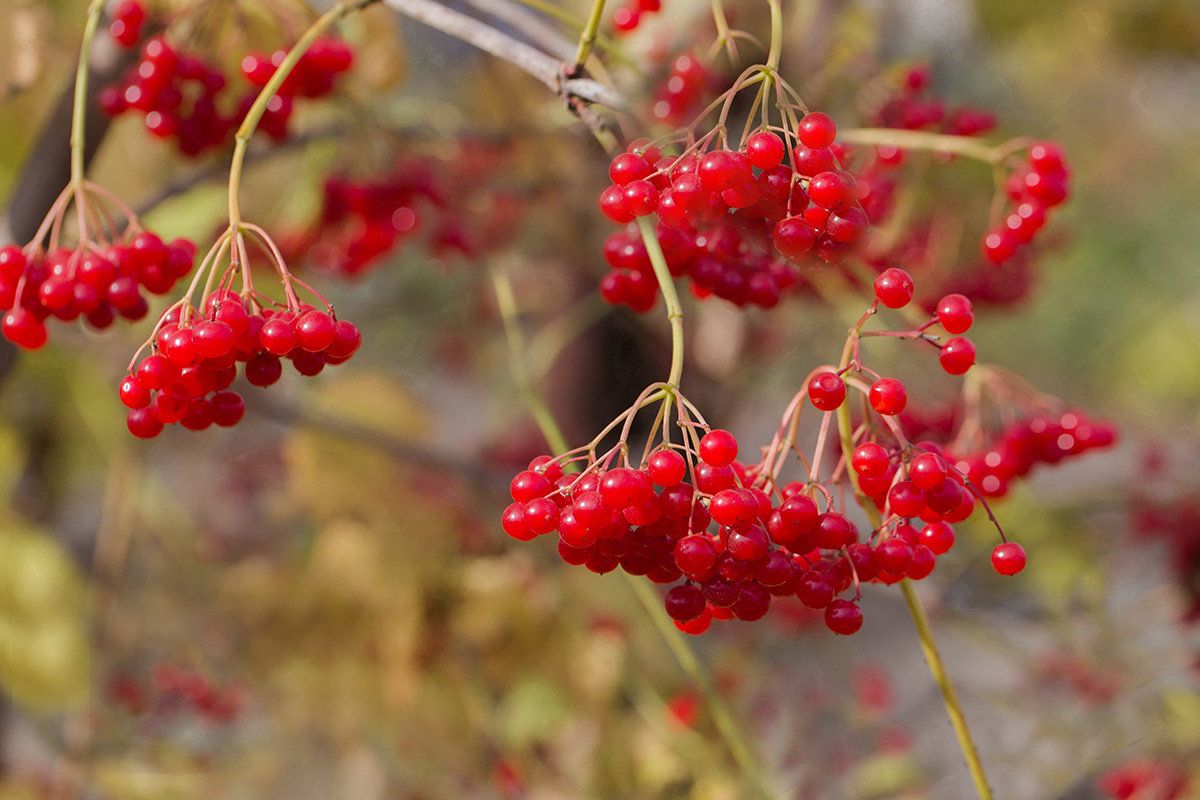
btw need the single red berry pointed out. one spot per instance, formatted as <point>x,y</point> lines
<point>156,372</point>
<point>685,602</point>
<point>718,448</point>
<point>628,167</point>
<point>827,391</point>
<point>905,499</point>
<point>893,555</point>
<point>513,522</point>
<point>696,556</point>
<point>954,313</point>
<point>263,370</point>
<point>870,460</point>
<point>957,355</point>
<point>528,485</point>
<point>133,394</point>
<point>733,507</point>
<point>612,205</point>
<point>816,129</point>
<point>793,237</point>
<point>541,515</point>
<point>894,288</point>
<point>710,479</point>
<point>999,246</point>
<point>23,328</point>
<point>834,531</point>
<point>228,409</point>
<point>923,562</point>
<point>621,488</point>
<point>927,470</point>
<point>347,340</point>
<point>747,544</point>
<point>315,331</point>
<point>278,335</point>
<point>938,537</point>
<point>1008,558</point>
<point>666,467</point>
<point>765,150</point>
<point>142,423</point>
<point>832,189</point>
<point>888,396</point>
<point>721,169</point>
<point>843,617</point>
<point>814,589</point>
<point>753,603</point>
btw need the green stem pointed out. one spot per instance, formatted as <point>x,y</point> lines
<point>79,109</point>
<point>920,140</point>
<point>921,621</point>
<point>507,303</point>
<point>722,716</point>
<point>254,115</point>
<point>776,35</point>
<point>666,285</point>
<point>949,695</point>
<point>587,37</point>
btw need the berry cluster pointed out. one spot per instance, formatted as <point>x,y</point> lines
<point>1040,183</point>
<point>194,359</point>
<point>688,85</point>
<point>735,548</point>
<point>182,95</point>
<point>627,17</point>
<point>126,27</point>
<point>743,211</point>
<point>96,282</point>
<point>172,690</point>
<point>913,108</point>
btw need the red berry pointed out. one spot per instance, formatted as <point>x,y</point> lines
<point>954,313</point>
<point>685,602</point>
<point>905,499</point>
<point>721,169</point>
<point>893,555</point>
<point>793,237</point>
<point>843,617</point>
<point>827,391</point>
<point>894,288</point>
<point>142,423</point>
<point>938,537</point>
<point>528,485</point>
<point>612,205</point>
<point>765,150</point>
<point>927,470</point>
<point>666,467</point>
<point>22,327</point>
<point>957,355</point>
<point>816,130</point>
<point>1008,558</point>
<point>718,448</point>
<point>870,460</point>
<point>228,408</point>
<point>695,555</point>
<point>133,394</point>
<point>621,488</point>
<point>733,507</point>
<point>888,396</point>
<point>832,189</point>
<point>315,331</point>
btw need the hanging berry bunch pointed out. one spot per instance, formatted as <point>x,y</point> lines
<point>736,222</point>
<point>104,274</point>
<point>195,349</point>
<point>190,99</point>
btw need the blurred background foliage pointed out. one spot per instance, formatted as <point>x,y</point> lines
<point>320,603</point>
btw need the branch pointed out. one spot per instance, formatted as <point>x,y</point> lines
<point>546,68</point>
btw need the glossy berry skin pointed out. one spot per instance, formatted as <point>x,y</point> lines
<point>793,237</point>
<point>718,448</point>
<point>957,355</point>
<point>894,288</point>
<point>666,468</point>
<point>827,391</point>
<point>955,314</point>
<point>765,150</point>
<point>685,602</point>
<point>927,470</point>
<point>843,617</point>
<point>870,460</point>
<point>888,396</point>
<point>22,327</point>
<point>816,130</point>
<point>1008,558</point>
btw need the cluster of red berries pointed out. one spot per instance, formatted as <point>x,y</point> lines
<point>894,288</point>
<point>96,283</point>
<point>171,690</point>
<point>735,548</point>
<point>1144,778</point>
<point>684,91</point>
<point>186,378</point>
<point>627,17</point>
<point>1037,185</point>
<point>744,209</point>
<point>180,93</point>
<point>126,27</point>
<point>912,108</point>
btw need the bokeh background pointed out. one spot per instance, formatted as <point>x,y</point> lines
<point>320,603</point>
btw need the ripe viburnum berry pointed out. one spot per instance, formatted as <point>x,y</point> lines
<point>957,355</point>
<point>894,288</point>
<point>718,448</point>
<point>1008,558</point>
<point>827,390</point>
<point>954,313</point>
<point>888,396</point>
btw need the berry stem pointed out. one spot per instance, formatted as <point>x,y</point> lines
<point>507,303</point>
<point>666,285</point>
<point>722,716</point>
<point>254,115</point>
<point>587,37</point>
<point>949,695</point>
<point>921,140</point>
<point>776,35</point>
<point>79,110</point>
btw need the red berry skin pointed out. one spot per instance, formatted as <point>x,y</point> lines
<point>666,468</point>
<point>228,409</point>
<point>893,555</point>
<point>834,531</point>
<point>747,544</point>
<point>718,448</point>
<point>685,602</point>
<point>1008,558</point>
<point>710,479</point>
<point>765,150</point>
<point>696,556</point>
<point>888,396</point>
<point>938,537</point>
<point>927,470</point>
<point>923,562</point>
<point>894,288</point>
<point>22,327</point>
<point>263,370</point>
<point>906,500</point>
<point>628,167</point>
<point>843,617</point>
<point>816,130</point>
<point>870,460</point>
<point>793,237</point>
<point>721,169</point>
<point>513,523</point>
<point>278,335</point>
<point>156,372</point>
<point>315,331</point>
<point>347,339</point>
<point>528,485</point>
<point>954,313</point>
<point>142,423</point>
<point>832,189</point>
<point>827,391</point>
<point>733,507</point>
<point>957,355</point>
<point>621,488</point>
<point>753,603</point>
<point>541,515</point>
